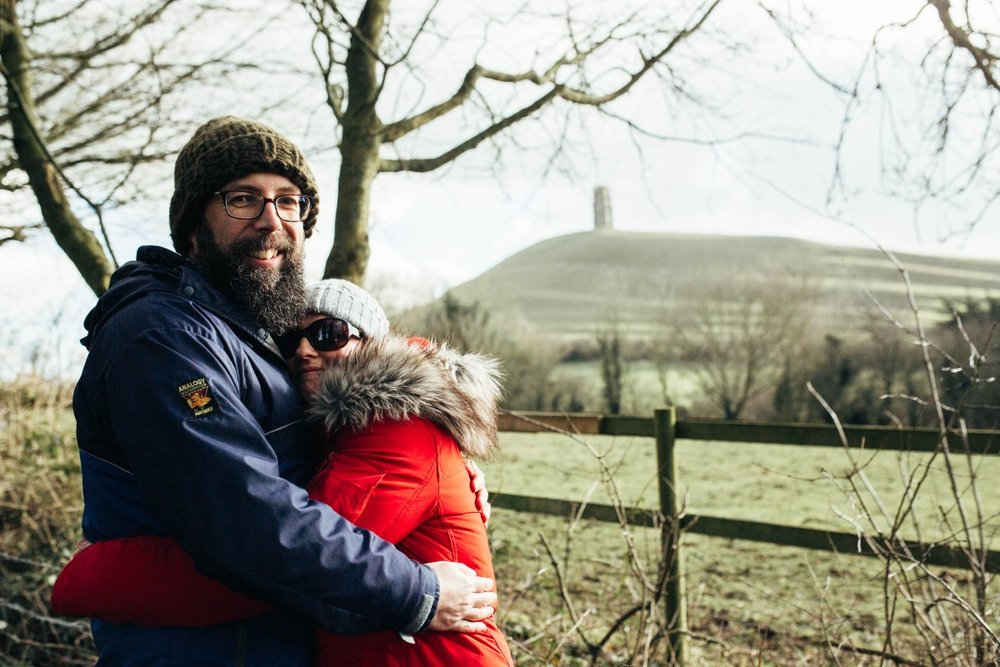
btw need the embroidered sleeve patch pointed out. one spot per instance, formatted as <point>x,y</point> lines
<point>198,396</point>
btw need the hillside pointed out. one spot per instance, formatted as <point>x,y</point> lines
<point>568,285</point>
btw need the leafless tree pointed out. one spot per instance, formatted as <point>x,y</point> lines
<point>92,93</point>
<point>613,371</point>
<point>952,615</point>
<point>738,336</point>
<point>932,79</point>
<point>371,57</point>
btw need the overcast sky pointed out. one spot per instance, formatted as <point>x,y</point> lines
<point>432,231</point>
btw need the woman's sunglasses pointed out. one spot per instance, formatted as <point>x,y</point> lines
<point>325,335</point>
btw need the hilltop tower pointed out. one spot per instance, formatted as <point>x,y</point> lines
<point>602,208</point>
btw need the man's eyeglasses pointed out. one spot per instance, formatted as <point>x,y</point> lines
<point>325,335</point>
<point>249,205</point>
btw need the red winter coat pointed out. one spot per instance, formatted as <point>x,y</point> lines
<point>401,417</point>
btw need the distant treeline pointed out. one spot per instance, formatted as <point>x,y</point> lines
<point>760,369</point>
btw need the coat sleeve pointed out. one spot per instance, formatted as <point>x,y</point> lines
<point>146,580</point>
<point>150,580</point>
<point>384,478</point>
<point>213,480</point>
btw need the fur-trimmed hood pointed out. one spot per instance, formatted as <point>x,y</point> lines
<point>391,379</point>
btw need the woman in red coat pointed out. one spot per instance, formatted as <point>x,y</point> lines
<point>396,417</point>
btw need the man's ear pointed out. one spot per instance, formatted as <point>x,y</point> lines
<point>193,240</point>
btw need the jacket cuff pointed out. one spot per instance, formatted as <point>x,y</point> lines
<point>423,617</point>
<point>425,612</point>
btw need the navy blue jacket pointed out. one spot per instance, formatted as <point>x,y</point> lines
<point>189,426</point>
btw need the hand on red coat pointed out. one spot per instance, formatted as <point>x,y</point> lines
<point>478,484</point>
<point>464,600</point>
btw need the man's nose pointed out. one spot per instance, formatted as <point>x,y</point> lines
<point>268,220</point>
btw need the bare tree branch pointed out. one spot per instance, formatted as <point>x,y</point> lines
<point>326,61</point>
<point>363,36</point>
<point>394,131</point>
<point>424,165</point>
<point>15,233</point>
<point>790,36</point>
<point>983,60</point>
<point>119,36</point>
<point>31,25</point>
<point>42,170</point>
<point>417,34</point>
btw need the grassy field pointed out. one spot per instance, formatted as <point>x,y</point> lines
<point>748,604</point>
<point>799,486</point>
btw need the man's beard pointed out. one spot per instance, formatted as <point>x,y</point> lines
<point>276,299</point>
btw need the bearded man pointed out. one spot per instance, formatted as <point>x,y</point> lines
<point>188,424</point>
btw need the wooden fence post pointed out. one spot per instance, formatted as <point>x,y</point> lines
<point>665,428</point>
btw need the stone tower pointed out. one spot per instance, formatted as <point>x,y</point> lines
<point>602,208</point>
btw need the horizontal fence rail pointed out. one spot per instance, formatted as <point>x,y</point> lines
<point>666,430</point>
<point>753,531</point>
<point>771,433</point>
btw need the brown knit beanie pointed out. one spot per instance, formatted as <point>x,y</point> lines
<point>222,150</point>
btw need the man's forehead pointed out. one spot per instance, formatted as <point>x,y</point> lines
<point>260,181</point>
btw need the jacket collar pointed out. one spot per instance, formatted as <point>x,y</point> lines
<point>389,379</point>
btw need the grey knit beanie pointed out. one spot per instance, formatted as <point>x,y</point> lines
<point>222,150</point>
<point>343,299</point>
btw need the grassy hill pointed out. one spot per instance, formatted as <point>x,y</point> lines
<point>568,285</point>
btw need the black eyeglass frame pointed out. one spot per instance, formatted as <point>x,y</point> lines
<point>307,200</point>
<point>289,341</point>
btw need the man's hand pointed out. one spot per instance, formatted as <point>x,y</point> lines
<point>477,482</point>
<point>465,600</point>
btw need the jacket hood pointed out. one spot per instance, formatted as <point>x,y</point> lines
<point>389,379</point>
<point>157,269</point>
<point>154,270</point>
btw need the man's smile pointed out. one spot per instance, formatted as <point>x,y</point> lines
<point>265,258</point>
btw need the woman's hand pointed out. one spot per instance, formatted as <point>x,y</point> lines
<point>83,543</point>
<point>478,484</point>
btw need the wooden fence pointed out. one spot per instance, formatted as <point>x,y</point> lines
<point>666,429</point>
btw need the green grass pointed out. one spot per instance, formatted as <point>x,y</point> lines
<point>797,486</point>
<point>748,603</point>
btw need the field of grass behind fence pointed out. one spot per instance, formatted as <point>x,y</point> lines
<point>747,602</point>
<point>797,486</point>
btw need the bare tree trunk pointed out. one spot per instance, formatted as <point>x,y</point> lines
<point>359,164</point>
<point>612,373</point>
<point>79,243</point>
<point>359,148</point>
